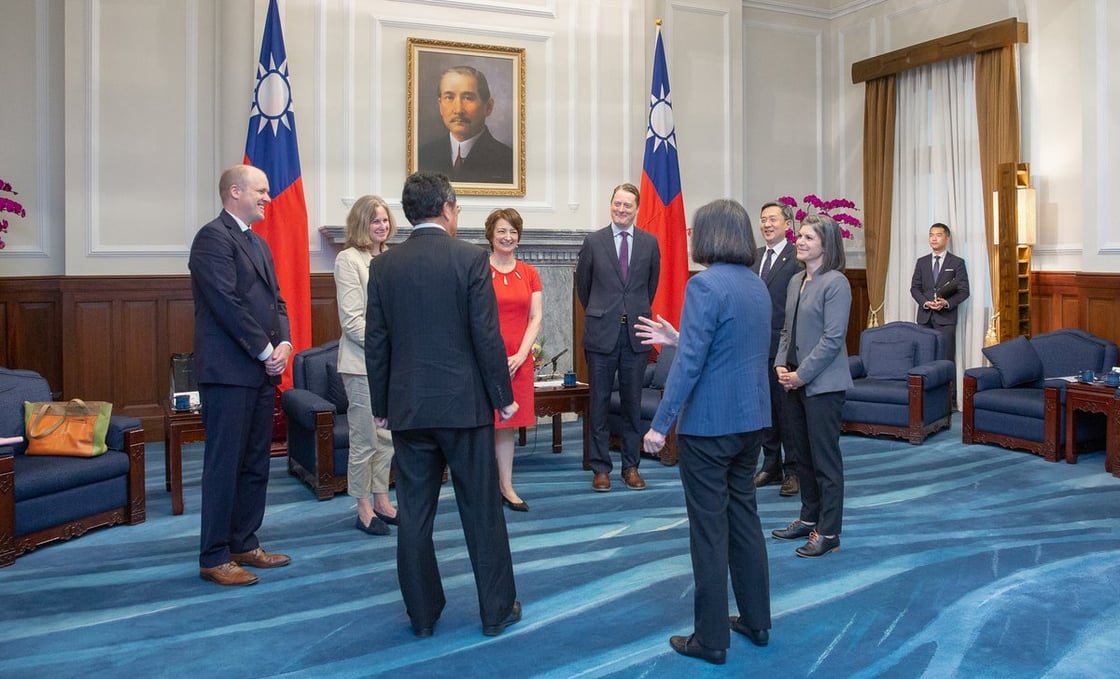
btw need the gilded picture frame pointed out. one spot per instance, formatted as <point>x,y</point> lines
<point>446,83</point>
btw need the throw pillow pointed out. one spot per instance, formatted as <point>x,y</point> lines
<point>1016,360</point>
<point>888,360</point>
<point>336,390</point>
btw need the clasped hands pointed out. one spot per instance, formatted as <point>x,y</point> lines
<point>277,361</point>
<point>936,304</point>
<point>789,379</point>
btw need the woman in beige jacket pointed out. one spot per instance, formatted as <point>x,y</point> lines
<point>368,226</point>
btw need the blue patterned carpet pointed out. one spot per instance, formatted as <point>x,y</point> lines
<point>957,561</point>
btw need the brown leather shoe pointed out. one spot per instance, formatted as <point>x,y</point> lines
<point>633,479</point>
<point>258,558</point>
<point>790,487</point>
<point>229,575</point>
<point>601,483</point>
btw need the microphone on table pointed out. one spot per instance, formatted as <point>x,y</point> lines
<point>556,358</point>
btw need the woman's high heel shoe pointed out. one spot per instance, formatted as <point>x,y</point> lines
<point>515,506</point>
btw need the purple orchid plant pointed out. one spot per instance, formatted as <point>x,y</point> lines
<point>8,205</point>
<point>839,209</point>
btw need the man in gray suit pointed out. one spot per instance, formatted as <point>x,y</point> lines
<point>775,264</point>
<point>437,372</point>
<point>616,279</point>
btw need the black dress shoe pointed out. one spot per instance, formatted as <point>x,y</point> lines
<point>391,520</point>
<point>513,617</point>
<point>692,648</point>
<point>796,530</point>
<point>376,526</point>
<point>515,506</point>
<point>818,545</point>
<point>758,637</point>
<point>423,632</point>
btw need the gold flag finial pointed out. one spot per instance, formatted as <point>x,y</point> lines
<point>658,22</point>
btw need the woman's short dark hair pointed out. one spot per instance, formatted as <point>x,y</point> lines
<point>510,215</point>
<point>721,232</point>
<point>424,195</point>
<point>832,242</point>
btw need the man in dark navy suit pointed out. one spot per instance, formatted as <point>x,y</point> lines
<point>468,152</point>
<point>616,279</point>
<point>241,347</point>
<point>776,263</point>
<point>437,372</point>
<point>939,286</point>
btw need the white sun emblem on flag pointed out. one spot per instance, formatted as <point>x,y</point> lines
<point>661,121</point>
<point>272,99</point>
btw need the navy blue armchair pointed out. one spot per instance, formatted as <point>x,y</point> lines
<point>653,386</point>
<point>901,383</point>
<point>44,498</point>
<point>318,432</point>
<point>1019,402</point>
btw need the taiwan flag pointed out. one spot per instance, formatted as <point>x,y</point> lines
<point>271,146</point>
<point>662,208</point>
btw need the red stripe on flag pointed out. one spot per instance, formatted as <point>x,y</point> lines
<point>667,222</point>
<point>284,228</point>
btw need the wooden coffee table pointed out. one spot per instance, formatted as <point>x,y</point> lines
<point>554,401</point>
<point>179,427</point>
<point>1094,397</point>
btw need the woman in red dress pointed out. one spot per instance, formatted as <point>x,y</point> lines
<point>517,286</point>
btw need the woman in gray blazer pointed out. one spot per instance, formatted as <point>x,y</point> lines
<point>368,226</point>
<point>812,365</point>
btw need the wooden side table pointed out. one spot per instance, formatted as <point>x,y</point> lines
<point>179,427</point>
<point>554,401</point>
<point>1094,398</point>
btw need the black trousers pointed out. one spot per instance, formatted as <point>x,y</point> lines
<point>949,332</point>
<point>815,426</point>
<point>630,367</point>
<point>725,534</point>
<point>419,461</point>
<point>776,438</point>
<point>238,422</point>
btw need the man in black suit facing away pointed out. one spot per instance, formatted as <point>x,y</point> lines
<point>939,286</point>
<point>241,346</point>
<point>468,152</point>
<point>776,263</point>
<point>616,278</point>
<point>437,372</point>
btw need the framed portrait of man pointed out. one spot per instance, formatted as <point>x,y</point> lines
<point>466,115</point>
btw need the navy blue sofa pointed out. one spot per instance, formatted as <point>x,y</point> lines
<point>1019,402</point>
<point>318,432</point>
<point>45,497</point>
<point>901,383</point>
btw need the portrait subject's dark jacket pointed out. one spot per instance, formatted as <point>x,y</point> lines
<point>489,161</point>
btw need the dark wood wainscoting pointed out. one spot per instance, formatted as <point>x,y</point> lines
<point>1090,301</point>
<point>110,338</point>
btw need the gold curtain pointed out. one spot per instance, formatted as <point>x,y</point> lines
<point>997,116</point>
<point>878,185</point>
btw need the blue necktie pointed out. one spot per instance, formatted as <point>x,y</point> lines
<point>936,267</point>
<point>766,264</point>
